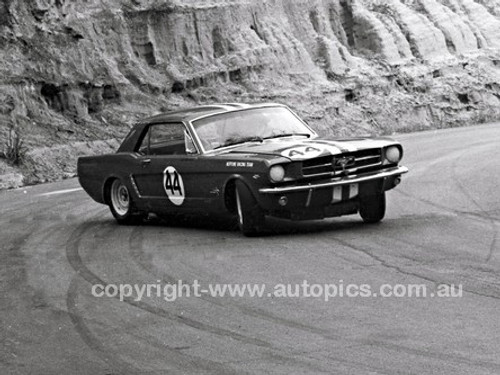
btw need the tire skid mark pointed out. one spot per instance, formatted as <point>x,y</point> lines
<point>372,367</point>
<point>439,356</point>
<point>419,352</point>
<point>136,252</point>
<point>456,155</point>
<point>184,361</point>
<point>136,247</point>
<point>78,234</point>
<point>485,216</point>
<point>381,261</point>
<point>110,358</point>
<point>414,245</point>
<point>468,215</point>
<point>419,262</point>
<point>493,223</point>
<point>135,242</point>
<point>13,250</point>
<point>417,275</point>
<point>187,362</point>
<point>73,256</point>
<point>309,365</point>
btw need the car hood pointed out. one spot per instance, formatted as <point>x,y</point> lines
<point>302,149</point>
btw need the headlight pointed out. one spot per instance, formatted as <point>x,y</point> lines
<point>393,154</point>
<point>277,173</point>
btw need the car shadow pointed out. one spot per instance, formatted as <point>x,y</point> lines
<point>279,227</point>
<point>273,226</point>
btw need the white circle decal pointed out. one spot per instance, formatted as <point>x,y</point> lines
<point>173,185</point>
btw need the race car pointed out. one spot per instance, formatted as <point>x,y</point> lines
<point>245,161</point>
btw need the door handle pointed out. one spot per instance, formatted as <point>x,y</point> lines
<point>145,162</point>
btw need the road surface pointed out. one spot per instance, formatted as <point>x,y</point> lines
<point>442,227</point>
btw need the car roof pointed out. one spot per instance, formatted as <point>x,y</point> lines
<point>189,114</point>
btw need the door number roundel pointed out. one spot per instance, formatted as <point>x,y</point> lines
<point>173,185</point>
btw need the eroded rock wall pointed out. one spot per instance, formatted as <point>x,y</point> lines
<point>84,70</point>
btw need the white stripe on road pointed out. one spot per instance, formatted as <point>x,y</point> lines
<point>60,192</point>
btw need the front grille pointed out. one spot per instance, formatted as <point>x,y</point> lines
<point>343,164</point>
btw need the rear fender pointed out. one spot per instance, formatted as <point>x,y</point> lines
<point>106,187</point>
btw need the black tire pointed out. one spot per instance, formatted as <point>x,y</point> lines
<point>121,204</point>
<point>372,208</point>
<point>250,215</point>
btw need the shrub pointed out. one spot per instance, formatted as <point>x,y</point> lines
<point>13,148</point>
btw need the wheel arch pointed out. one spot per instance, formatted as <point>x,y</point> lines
<point>106,189</point>
<point>229,192</point>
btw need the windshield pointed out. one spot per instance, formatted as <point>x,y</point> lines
<point>249,125</point>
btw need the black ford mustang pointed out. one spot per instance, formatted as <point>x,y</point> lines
<point>243,160</point>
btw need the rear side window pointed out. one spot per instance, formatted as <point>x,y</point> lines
<point>164,139</point>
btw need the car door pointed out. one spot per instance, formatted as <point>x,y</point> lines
<point>165,173</point>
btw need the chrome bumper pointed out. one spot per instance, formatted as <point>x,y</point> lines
<point>337,182</point>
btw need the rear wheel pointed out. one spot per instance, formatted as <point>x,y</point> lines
<point>372,208</point>
<point>121,204</point>
<point>250,215</point>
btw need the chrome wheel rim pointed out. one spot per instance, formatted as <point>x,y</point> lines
<point>120,198</point>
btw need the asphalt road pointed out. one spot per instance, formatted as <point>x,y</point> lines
<point>442,227</point>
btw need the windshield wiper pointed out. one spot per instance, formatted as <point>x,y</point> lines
<point>236,141</point>
<point>289,135</point>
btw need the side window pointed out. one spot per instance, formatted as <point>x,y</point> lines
<point>166,139</point>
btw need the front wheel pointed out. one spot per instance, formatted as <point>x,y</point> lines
<point>250,215</point>
<point>372,208</point>
<point>121,204</point>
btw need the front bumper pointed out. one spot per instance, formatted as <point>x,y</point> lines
<point>340,181</point>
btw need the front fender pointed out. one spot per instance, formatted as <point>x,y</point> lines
<point>253,183</point>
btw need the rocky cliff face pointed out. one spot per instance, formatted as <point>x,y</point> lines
<point>74,75</point>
